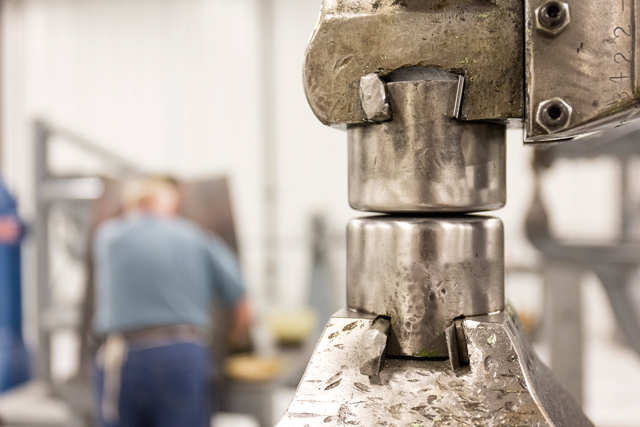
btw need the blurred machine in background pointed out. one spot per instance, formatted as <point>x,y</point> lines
<point>616,263</point>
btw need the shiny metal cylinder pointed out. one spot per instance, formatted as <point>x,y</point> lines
<point>423,273</point>
<point>424,160</point>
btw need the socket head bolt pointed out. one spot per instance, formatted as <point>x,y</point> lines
<point>554,115</point>
<point>552,18</point>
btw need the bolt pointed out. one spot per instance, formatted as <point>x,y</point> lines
<point>554,115</point>
<point>552,18</point>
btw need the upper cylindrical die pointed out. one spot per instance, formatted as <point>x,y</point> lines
<point>424,160</point>
<point>423,273</point>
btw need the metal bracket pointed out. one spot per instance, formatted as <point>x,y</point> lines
<point>589,65</point>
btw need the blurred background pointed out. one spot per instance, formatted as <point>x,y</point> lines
<point>94,92</point>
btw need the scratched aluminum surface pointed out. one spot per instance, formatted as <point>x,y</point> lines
<point>505,384</point>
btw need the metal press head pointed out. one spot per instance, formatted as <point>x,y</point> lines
<point>564,68</point>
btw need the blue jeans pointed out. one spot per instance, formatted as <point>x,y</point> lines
<point>164,386</point>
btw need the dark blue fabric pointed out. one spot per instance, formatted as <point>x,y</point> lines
<point>7,203</point>
<point>165,386</point>
<point>14,363</point>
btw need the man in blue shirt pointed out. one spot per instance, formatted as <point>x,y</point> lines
<point>156,277</point>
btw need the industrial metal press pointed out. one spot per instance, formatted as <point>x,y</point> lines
<point>426,90</point>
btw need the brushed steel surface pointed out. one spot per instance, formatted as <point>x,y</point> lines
<point>424,160</point>
<point>505,384</point>
<point>423,273</point>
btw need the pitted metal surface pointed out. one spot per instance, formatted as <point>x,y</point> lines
<point>423,273</point>
<point>481,40</point>
<point>505,384</point>
<point>424,160</point>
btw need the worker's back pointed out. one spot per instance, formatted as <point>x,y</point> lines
<point>154,270</point>
<point>156,275</point>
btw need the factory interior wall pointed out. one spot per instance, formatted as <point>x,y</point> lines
<point>173,86</point>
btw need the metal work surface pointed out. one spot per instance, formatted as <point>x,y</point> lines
<point>505,384</point>
<point>423,273</point>
<point>424,160</point>
<point>590,65</point>
<point>481,40</point>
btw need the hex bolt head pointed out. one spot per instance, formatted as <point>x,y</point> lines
<point>552,18</point>
<point>554,115</point>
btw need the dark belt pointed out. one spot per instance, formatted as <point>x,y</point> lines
<point>187,333</point>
